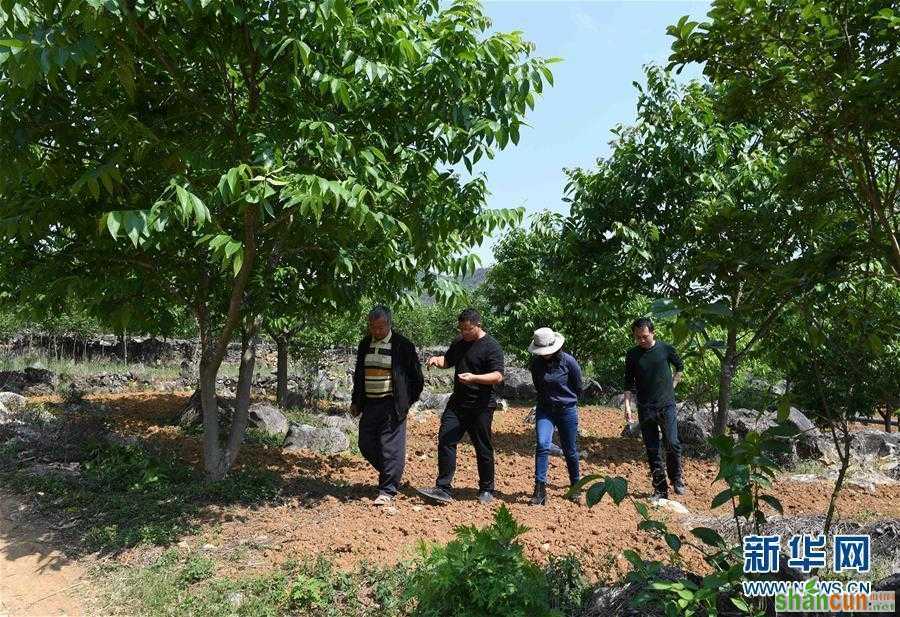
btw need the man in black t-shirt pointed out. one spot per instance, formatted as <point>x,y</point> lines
<point>649,376</point>
<point>478,362</point>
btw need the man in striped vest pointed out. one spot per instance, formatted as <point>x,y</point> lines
<point>387,381</point>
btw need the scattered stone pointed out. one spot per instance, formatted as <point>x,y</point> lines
<point>34,380</point>
<point>417,508</point>
<point>616,600</point>
<point>191,414</point>
<point>517,385</point>
<point>13,402</point>
<point>209,547</point>
<point>430,401</point>
<point>809,444</point>
<point>889,583</point>
<point>43,470</point>
<point>874,444</point>
<point>695,425</point>
<point>235,598</point>
<point>326,440</point>
<point>183,544</point>
<point>671,506</point>
<point>545,547</point>
<point>342,423</point>
<point>268,418</point>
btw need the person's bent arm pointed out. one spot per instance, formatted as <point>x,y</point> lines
<point>438,361</point>
<point>630,383</point>
<point>486,379</point>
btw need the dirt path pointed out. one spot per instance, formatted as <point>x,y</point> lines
<point>35,578</point>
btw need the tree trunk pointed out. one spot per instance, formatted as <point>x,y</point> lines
<point>212,451</point>
<point>886,414</point>
<point>217,460</point>
<point>844,456</point>
<point>249,341</point>
<point>125,346</point>
<point>281,389</point>
<point>726,377</point>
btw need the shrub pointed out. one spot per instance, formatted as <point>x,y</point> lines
<point>197,569</point>
<point>130,468</point>
<point>568,587</point>
<point>481,572</point>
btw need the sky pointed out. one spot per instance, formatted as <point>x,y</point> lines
<point>604,45</point>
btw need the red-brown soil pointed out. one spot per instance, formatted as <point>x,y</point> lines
<point>326,506</point>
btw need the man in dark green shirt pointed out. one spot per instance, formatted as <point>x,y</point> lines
<point>648,375</point>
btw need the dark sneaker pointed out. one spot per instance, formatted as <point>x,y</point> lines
<point>680,488</point>
<point>485,497</point>
<point>435,494</point>
<point>657,495</point>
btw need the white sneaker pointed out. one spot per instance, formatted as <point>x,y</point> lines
<point>383,499</point>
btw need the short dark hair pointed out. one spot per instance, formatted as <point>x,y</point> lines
<point>642,322</point>
<point>380,311</point>
<point>471,316</point>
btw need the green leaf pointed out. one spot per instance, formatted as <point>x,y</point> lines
<point>595,494</point>
<point>12,43</point>
<point>113,223</point>
<point>642,509</point>
<point>232,247</point>
<point>238,261</point>
<point>673,541</point>
<point>772,501</point>
<point>617,488</point>
<point>709,536</point>
<point>721,498</point>
<point>740,603</point>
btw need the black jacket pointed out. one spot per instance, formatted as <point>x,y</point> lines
<point>406,374</point>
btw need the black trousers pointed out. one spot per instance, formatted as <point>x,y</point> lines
<point>455,423</point>
<point>656,419</point>
<point>382,441</point>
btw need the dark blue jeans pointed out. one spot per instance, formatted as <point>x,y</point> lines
<point>653,420</point>
<point>565,419</point>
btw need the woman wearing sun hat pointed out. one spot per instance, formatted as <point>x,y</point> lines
<point>557,379</point>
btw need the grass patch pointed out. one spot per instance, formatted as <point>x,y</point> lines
<point>260,437</point>
<point>810,467</point>
<point>185,584</point>
<point>127,496</point>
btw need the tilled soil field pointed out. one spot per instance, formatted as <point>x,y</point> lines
<point>326,502</point>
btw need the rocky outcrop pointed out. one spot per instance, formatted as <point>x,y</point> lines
<point>191,414</point>
<point>324,440</point>
<point>34,381</point>
<point>268,418</point>
<point>12,402</point>
<point>517,385</point>
<point>617,600</point>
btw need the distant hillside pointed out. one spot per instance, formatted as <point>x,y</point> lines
<point>468,282</point>
<point>474,281</point>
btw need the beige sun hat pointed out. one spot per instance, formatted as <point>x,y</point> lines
<point>546,342</point>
